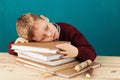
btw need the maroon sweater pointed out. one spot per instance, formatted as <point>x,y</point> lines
<point>70,33</point>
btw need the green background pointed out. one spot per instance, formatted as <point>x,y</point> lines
<point>98,20</point>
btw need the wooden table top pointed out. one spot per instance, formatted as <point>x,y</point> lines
<point>109,70</point>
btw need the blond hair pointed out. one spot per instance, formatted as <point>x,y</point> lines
<point>24,25</point>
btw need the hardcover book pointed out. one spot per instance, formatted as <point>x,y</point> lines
<point>41,66</point>
<point>70,72</point>
<point>63,70</point>
<point>51,63</point>
<point>43,47</point>
<point>40,55</point>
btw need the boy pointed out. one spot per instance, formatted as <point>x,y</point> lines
<point>31,27</point>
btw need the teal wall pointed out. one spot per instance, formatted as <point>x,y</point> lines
<point>98,20</point>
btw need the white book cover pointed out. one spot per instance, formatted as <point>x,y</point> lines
<point>38,55</point>
<point>51,63</point>
<point>43,47</point>
<point>34,49</point>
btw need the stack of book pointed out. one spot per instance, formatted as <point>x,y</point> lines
<point>41,56</point>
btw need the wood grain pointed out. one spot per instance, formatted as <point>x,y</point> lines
<point>109,70</point>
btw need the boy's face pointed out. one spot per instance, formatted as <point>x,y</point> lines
<point>45,31</point>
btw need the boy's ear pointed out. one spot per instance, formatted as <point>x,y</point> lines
<point>44,18</point>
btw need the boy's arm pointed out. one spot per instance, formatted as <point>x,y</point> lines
<point>10,51</point>
<point>18,40</point>
<point>86,52</point>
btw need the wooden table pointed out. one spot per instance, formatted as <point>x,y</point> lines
<point>110,70</point>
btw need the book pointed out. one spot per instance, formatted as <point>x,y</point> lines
<point>70,72</point>
<point>39,55</point>
<point>44,47</point>
<point>29,66</point>
<point>41,66</point>
<point>64,70</point>
<point>51,63</point>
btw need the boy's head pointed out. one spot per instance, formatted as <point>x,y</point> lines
<point>24,25</point>
<point>36,28</point>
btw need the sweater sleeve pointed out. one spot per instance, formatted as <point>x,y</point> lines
<point>86,51</point>
<point>77,39</point>
<point>10,51</point>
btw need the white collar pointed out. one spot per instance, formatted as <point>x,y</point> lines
<point>58,28</point>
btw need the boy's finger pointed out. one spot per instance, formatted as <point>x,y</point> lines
<point>65,56</point>
<point>61,46</point>
<point>61,52</point>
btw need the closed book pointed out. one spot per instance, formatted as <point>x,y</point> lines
<point>70,72</point>
<point>65,70</point>
<point>51,63</point>
<point>41,66</point>
<point>29,66</point>
<point>39,55</point>
<point>44,47</point>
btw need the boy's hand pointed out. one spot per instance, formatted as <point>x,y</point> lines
<point>21,40</point>
<point>67,49</point>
